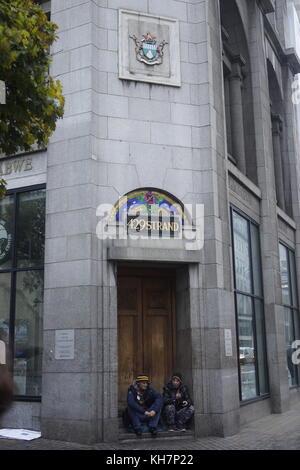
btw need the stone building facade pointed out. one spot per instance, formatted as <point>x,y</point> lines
<point>224,138</point>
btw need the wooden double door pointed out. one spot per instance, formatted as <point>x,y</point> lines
<point>146,327</point>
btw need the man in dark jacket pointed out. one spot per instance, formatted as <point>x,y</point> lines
<point>178,406</point>
<point>144,405</point>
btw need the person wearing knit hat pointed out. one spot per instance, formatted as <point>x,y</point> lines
<point>144,405</point>
<point>178,406</point>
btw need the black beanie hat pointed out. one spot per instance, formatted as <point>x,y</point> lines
<point>177,375</point>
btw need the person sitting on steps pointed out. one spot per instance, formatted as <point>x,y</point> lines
<point>178,406</point>
<point>144,405</point>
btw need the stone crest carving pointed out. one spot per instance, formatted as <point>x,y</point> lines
<point>147,50</point>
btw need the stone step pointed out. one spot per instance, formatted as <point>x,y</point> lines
<point>161,436</point>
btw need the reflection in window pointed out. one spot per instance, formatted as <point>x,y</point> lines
<point>31,229</point>
<point>28,333</point>
<point>21,285</point>
<point>247,346</point>
<point>4,306</point>
<point>291,311</point>
<point>249,308</point>
<point>6,232</point>
<point>242,253</point>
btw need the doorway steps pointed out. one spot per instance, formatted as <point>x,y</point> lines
<point>126,437</point>
<point>129,437</point>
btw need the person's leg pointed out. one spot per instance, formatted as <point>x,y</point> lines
<point>169,415</point>
<point>183,416</point>
<point>136,419</point>
<point>153,422</point>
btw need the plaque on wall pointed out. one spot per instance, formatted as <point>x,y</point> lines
<point>149,49</point>
<point>64,344</point>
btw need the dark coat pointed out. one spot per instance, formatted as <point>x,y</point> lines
<point>152,400</point>
<point>169,395</point>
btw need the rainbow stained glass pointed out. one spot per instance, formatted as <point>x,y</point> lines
<point>146,201</point>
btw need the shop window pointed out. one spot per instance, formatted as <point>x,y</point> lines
<point>291,308</point>
<point>46,6</point>
<point>22,235</point>
<point>249,308</point>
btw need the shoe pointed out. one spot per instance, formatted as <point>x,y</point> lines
<point>153,432</point>
<point>180,429</point>
<point>171,429</point>
<point>138,432</point>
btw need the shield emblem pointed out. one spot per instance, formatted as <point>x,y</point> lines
<point>149,50</point>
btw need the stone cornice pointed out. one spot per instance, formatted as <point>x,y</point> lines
<point>267,6</point>
<point>285,56</point>
<point>292,59</point>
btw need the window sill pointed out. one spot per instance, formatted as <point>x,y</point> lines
<point>23,398</point>
<point>243,179</point>
<point>294,387</point>
<point>286,218</point>
<point>255,400</point>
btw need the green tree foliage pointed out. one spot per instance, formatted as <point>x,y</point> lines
<point>34,99</point>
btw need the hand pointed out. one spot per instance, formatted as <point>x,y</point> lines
<point>178,395</point>
<point>152,413</point>
<point>184,403</point>
<point>148,413</point>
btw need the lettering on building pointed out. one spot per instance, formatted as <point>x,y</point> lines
<point>19,165</point>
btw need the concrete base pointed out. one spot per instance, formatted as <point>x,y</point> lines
<point>70,431</point>
<point>222,425</point>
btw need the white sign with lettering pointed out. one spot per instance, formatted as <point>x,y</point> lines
<point>2,353</point>
<point>2,92</point>
<point>64,344</point>
<point>228,343</point>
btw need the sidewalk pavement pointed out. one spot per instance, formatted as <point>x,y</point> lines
<point>274,432</point>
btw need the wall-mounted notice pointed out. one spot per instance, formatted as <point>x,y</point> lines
<point>228,342</point>
<point>64,344</point>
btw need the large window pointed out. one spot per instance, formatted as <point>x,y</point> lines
<point>46,6</point>
<point>22,234</point>
<point>291,308</point>
<point>249,308</point>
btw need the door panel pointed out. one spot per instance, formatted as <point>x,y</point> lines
<point>145,329</point>
<point>129,333</point>
<point>156,351</point>
<point>158,329</point>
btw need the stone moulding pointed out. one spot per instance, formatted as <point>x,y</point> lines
<point>166,69</point>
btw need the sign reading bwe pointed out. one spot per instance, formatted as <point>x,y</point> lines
<point>15,166</point>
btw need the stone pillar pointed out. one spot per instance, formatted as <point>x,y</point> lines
<point>236,112</point>
<point>277,155</point>
<point>274,315</point>
<point>227,113</point>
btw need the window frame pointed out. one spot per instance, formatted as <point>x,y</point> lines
<point>293,307</point>
<point>13,270</point>
<point>254,297</point>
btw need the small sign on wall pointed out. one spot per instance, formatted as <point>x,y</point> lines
<point>228,343</point>
<point>2,353</point>
<point>64,344</point>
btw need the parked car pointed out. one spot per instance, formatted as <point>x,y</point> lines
<point>247,354</point>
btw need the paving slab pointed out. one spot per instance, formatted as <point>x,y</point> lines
<point>274,432</point>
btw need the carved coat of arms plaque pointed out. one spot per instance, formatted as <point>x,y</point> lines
<point>147,50</point>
